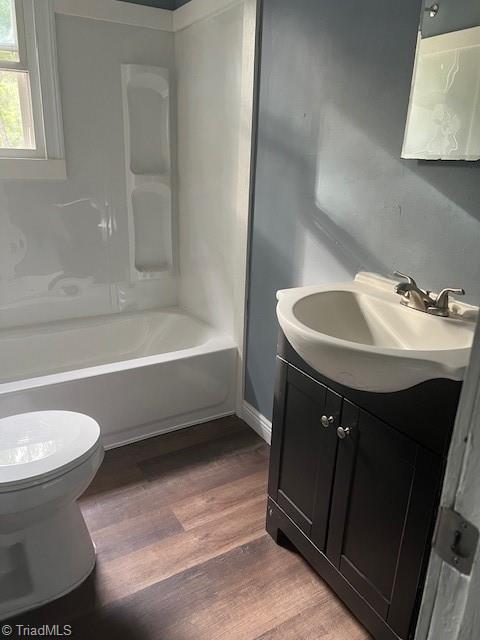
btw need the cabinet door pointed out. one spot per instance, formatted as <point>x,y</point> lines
<point>382,512</point>
<point>303,450</point>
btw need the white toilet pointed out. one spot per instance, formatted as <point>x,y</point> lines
<point>47,460</point>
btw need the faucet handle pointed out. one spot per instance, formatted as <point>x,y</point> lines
<point>409,279</point>
<point>442,300</point>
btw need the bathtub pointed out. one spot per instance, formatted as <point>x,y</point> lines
<point>138,375</point>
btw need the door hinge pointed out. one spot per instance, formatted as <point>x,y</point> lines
<point>455,540</point>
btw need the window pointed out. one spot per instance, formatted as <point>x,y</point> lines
<point>31,141</point>
<point>17,130</point>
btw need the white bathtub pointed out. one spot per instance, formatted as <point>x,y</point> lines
<point>138,375</point>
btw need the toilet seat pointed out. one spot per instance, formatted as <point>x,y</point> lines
<point>39,446</point>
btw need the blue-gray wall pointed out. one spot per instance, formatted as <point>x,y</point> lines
<point>453,15</point>
<point>332,195</point>
<point>161,4</point>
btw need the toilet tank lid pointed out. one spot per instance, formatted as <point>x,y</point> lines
<point>44,443</point>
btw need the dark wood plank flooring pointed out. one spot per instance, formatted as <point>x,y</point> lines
<point>182,552</point>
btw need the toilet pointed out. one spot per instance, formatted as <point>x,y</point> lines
<point>47,460</point>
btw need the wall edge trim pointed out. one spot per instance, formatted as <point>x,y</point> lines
<point>134,15</point>
<point>257,421</point>
<point>197,10</point>
<point>138,15</point>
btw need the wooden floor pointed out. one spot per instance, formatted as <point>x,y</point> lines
<point>178,522</point>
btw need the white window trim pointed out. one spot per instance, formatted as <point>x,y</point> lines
<point>47,162</point>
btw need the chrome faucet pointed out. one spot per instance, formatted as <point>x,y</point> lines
<point>415,298</point>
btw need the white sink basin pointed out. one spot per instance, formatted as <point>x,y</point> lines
<point>358,334</point>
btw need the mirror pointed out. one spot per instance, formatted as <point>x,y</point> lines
<point>443,121</point>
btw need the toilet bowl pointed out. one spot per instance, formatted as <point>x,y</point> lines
<point>47,460</point>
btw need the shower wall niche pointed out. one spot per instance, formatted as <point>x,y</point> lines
<point>146,107</point>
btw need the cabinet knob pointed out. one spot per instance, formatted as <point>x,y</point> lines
<point>327,421</point>
<point>343,432</point>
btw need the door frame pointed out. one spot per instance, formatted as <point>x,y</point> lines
<point>449,609</point>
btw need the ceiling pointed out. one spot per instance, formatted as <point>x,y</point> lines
<point>161,4</point>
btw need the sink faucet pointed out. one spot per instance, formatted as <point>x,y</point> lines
<point>415,298</point>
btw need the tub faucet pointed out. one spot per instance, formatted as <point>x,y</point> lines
<point>415,298</point>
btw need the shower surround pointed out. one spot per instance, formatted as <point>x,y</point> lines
<point>119,287</point>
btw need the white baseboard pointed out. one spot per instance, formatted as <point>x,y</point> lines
<point>249,414</point>
<point>143,432</point>
<point>256,421</point>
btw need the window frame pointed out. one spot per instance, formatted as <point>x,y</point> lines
<point>20,32</point>
<point>35,23</point>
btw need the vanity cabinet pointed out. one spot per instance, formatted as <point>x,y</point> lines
<point>359,504</point>
<point>301,472</point>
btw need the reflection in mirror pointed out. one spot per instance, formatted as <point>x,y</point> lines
<point>443,121</point>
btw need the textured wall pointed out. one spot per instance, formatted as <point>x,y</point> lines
<point>332,194</point>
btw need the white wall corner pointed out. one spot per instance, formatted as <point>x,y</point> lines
<point>197,10</point>
<point>138,15</point>
<point>135,15</point>
<point>256,421</point>
<point>241,255</point>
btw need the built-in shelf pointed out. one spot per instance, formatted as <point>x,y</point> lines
<point>146,104</point>
<point>152,220</point>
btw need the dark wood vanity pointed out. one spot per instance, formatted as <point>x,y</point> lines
<point>354,485</point>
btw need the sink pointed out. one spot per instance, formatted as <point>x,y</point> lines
<point>359,335</point>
